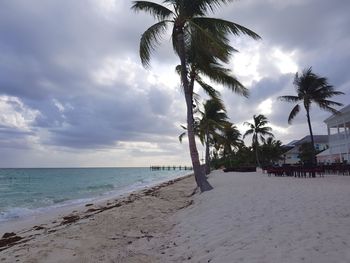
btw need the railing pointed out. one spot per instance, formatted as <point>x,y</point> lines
<point>338,137</point>
<point>169,167</point>
<point>312,171</point>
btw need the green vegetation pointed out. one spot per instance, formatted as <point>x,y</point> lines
<point>306,153</point>
<point>270,151</point>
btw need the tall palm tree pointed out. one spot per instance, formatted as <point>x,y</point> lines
<point>259,130</point>
<point>310,89</point>
<point>209,36</point>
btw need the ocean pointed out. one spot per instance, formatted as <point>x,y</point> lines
<point>27,191</point>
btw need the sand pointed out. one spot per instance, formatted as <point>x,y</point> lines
<point>247,217</point>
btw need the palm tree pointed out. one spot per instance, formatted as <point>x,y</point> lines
<point>229,140</point>
<point>259,130</point>
<point>209,36</point>
<point>310,89</point>
<point>271,150</point>
<point>213,118</point>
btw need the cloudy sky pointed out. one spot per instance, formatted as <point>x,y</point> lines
<point>73,91</point>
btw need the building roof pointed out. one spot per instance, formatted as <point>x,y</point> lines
<point>342,111</point>
<point>297,143</point>
<point>292,151</point>
<point>317,139</point>
<point>292,143</point>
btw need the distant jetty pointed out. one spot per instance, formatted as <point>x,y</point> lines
<point>170,167</point>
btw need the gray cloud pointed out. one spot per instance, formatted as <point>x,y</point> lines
<point>50,53</point>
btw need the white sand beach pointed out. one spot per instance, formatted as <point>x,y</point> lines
<point>247,217</point>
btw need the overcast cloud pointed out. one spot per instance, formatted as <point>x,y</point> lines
<point>73,91</point>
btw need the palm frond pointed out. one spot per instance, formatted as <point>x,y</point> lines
<point>289,98</point>
<point>221,27</point>
<point>293,113</point>
<point>248,132</point>
<point>158,11</point>
<point>267,131</point>
<point>183,127</point>
<point>150,39</point>
<point>262,139</point>
<point>217,45</point>
<point>327,105</point>
<point>212,92</point>
<point>181,136</point>
<point>220,75</point>
<point>201,7</point>
<point>328,91</point>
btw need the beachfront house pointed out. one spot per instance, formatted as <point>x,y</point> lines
<point>292,155</point>
<point>338,127</point>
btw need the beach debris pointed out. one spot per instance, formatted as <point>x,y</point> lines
<point>9,239</point>
<point>89,205</point>
<point>70,219</point>
<point>7,235</point>
<point>92,210</point>
<point>38,227</point>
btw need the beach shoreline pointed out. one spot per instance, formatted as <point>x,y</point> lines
<point>46,214</point>
<point>247,217</point>
<point>53,215</point>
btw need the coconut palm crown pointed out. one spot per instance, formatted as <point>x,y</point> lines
<point>311,88</point>
<point>259,130</point>
<point>198,41</point>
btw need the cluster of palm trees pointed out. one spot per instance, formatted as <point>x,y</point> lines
<point>223,142</point>
<point>214,130</point>
<point>202,45</point>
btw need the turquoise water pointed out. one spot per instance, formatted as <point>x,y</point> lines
<point>27,191</point>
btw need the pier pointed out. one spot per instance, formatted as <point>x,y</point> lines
<point>170,167</point>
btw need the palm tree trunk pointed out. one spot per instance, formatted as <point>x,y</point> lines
<point>207,156</point>
<point>201,180</point>
<point>256,150</point>
<point>314,160</point>
<point>257,155</point>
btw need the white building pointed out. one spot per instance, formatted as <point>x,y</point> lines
<point>292,156</point>
<point>338,126</point>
